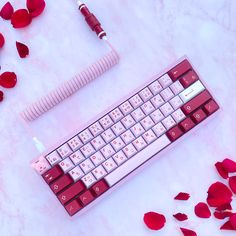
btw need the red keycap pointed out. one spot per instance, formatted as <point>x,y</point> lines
<point>199,116</point>
<point>71,192</point>
<point>188,79</point>
<point>61,183</point>
<point>211,107</point>
<point>99,188</point>
<point>196,102</point>
<point>86,197</point>
<point>73,207</point>
<point>53,174</point>
<point>174,133</point>
<point>186,124</point>
<point>179,70</point>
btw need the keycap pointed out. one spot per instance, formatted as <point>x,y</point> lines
<point>88,180</point>
<point>167,94</point>
<point>76,173</point>
<point>174,133</point>
<point>73,207</point>
<point>139,143</point>
<point>75,143</point>
<point>147,107</point>
<point>129,150</point>
<point>159,129</point>
<point>64,150</point>
<point>186,124</point>
<point>86,197</point>
<point>52,174</point>
<point>87,150</point>
<point>109,164</point>
<point>96,129</point>
<point>165,80</point>
<point>87,166</point>
<point>136,101</point>
<point>117,144</point>
<point>138,114</point>
<point>157,101</point>
<point>176,87</point>
<point>116,115</point>
<point>210,107</point>
<point>41,165</point>
<point>77,157</point>
<point>147,123</point>
<point>188,79</point>
<point>61,183</point>
<point>106,122</point>
<point>118,128</point>
<point>178,115</point>
<point>157,116</point>
<point>85,136</point>
<point>149,136</point>
<point>99,188</point>
<point>107,151</point>
<point>155,87</point>
<point>97,158</point>
<point>53,158</point>
<point>137,130</point>
<point>166,109</point>
<point>98,143</point>
<point>198,116</point>
<point>99,172</point>
<point>128,121</point>
<point>66,165</point>
<point>127,136</point>
<point>146,94</point>
<point>168,122</point>
<point>176,102</point>
<point>108,135</point>
<point>126,108</point>
<point>119,157</point>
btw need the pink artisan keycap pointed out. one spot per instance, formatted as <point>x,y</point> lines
<point>99,188</point>
<point>52,174</point>
<point>71,192</point>
<point>188,79</point>
<point>86,197</point>
<point>211,107</point>
<point>61,183</point>
<point>199,116</point>
<point>179,70</point>
<point>174,133</point>
<point>196,102</point>
<point>73,207</point>
<point>186,124</point>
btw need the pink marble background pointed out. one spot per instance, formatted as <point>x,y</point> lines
<point>149,35</point>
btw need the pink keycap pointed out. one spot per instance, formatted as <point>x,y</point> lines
<point>174,133</point>
<point>199,116</point>
<point>211,107</point>
<point>86,197</point>
<point>61,183</point>
<point>73,207</point>
<point>186,124</point>
<point>188,79</point>
<point>53,174</point>
<point>99,188</point>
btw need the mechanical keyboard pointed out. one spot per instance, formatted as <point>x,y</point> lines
<point>98,156</point>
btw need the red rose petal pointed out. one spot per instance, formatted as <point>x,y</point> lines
<point>232,183</point>
<point>21,18</point>
<point>2,40</point>
<point>232,220</point>
<point>22,49</point>
<point>227,226</point>
<point>188,232</point>
<point>229,165</point>
<point>35,7</point>
<point>224,207</point>
<point>202,210</point>
<point>219,194</point>
<point>8,79</point>
<point>1,95</point>
<point>180,217</point>
<point>154,221</point>
<point>182,196</point>
<point>220,215</point>
<point>221,170</point>
<point>7,11</point>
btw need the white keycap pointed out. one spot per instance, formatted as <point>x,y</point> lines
<point>87,150</point>
<point>166,109</point>
<point>177,87</point>
<point>157,116</point>
<point>137,130</point>
<point>129,150</point>
<point>137,160</point>
<point>64,150</point>
<point>159,129</point>
<point>139,143</point>
<point>157,101</point>
<point>117,144</point>
<point>107,151</point>
<point>97,158</point>
<point>127,136</point>
<point>87,166</point>
<point>66,165</point>
<point>116,115</point>
<point>147,123</point>
<point>145,94</point>
<point>99,172</point>
<point>147,107</point>
<point>85,136</point>
<point>76,173</point>
<point>167,94</point>
<point>149,136</point>
<point>109,165</point>
<point>191,91</point>
<point>118,128</point>
<point>176,102</point>
<point>119,158</point>
<point>98,142</point>
<point>126,108</point>
<point>77,157</point>
<point>53,158</point>
<point>168,122</point>
<point>41,165</point>
<point>138,114</point>
<point>88,180</point>
<point>178,115</point>
<point>128,121</point>
<point>136,101</point>
<point>96,129</point>
<point>106,122</point>
<point>108,135</point>
<point>165,80</point>
<point>75,143</point>
<point>155,87</point>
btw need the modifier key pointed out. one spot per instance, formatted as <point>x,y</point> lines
<point>52,174</point>
<point>211,107</point>
<point>179,70</point>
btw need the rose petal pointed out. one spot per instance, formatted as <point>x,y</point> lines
<point>182,196</point>
<point>229,165</point>
<point>180,217</point>
<point>227,226</point>
<point>232,220</point>
<point>8,79</point>
<point>1,95</point>
<point>22,49</point>
<point>188,232</point>
<point>35,7</point>
<point>220,215</point>
<point>21,18</point>
<point>7,11</point>
<point>232,183</point>
<point>219,194</point>
<point>221,170</point>
<point>202,210</point>
<point>224,207</point>
<point>154,221</point>
<point>2,40</point>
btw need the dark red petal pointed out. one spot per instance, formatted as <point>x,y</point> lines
<point>221,170</point>
<point>232,220</point>
<point>180,217</point>
<point>224,207</point>
<point>35,7</point>
<point>232,183</point>
<point>2,40</point>
<point>7,11</point>
<point>1,95</point>
<point>219,194</point>
<point>188,232</point>
<point>220,215</point>
<point>22,49</point>
<point>182,196</point>
<point>202,210</point>
<point>227,226</point>
<point>21,18</point>
<point>229,165</point>
<point>154,221</point>
<point>8,79</point>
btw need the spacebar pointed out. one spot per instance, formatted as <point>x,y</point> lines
<point>137,160</point>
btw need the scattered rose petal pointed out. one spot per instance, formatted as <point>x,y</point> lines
<point>1,95</point>
<point>202,210</point>
<point>220,215</point>
<point>219,194</point>
<point>232,220</point>
<point>154,221</point>
<point>188,232</point>
<point>8,79</point>
<point>7,11</point>
<point>224,207</point>
<point>21,18</point>
<point>2,40</point>
<point>182,196</point>
<point>35,7</point>
<point>180,217</point>
<point>221,170</point>
<point>227,226</point>
<point>22,49</point>
<point>232,183</point>
<point>229,165</point>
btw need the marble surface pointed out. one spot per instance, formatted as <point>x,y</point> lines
<point>149,35</point>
